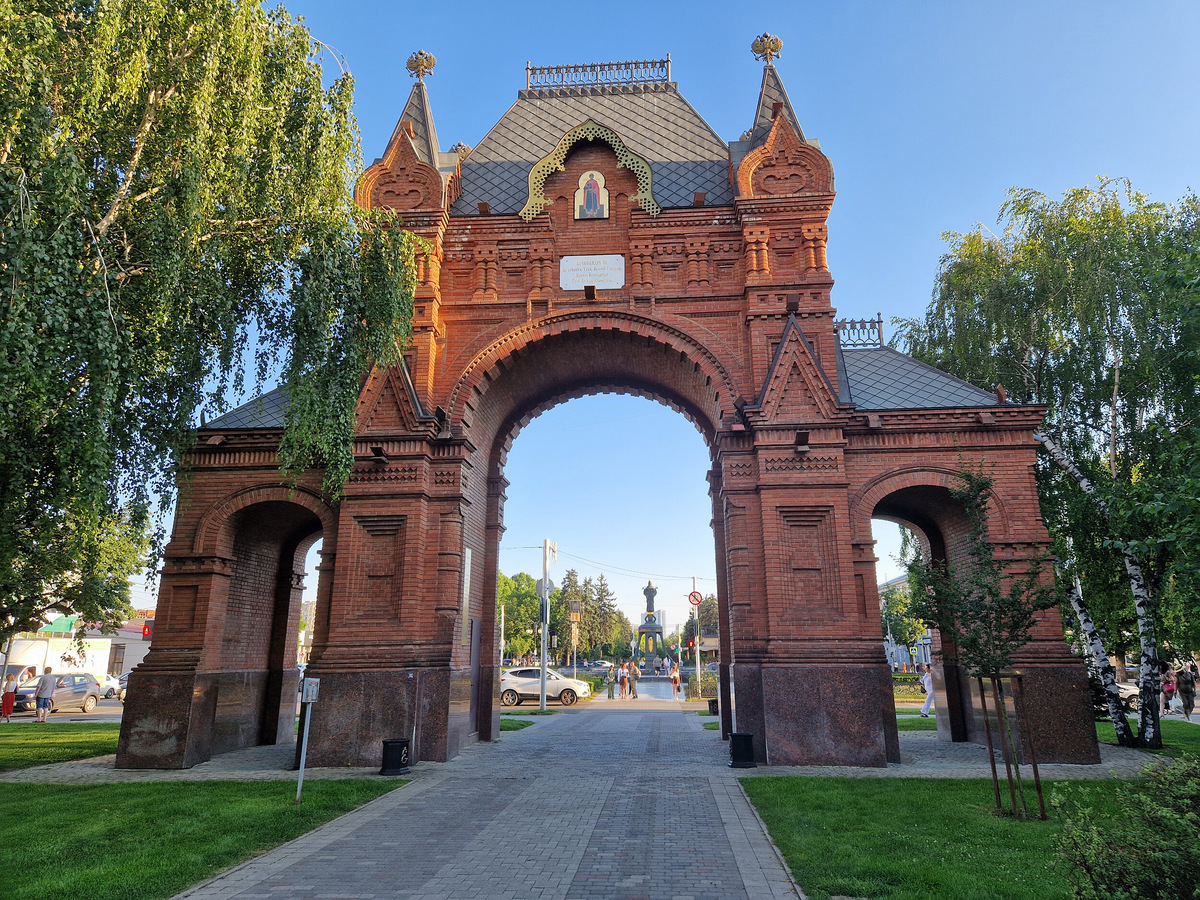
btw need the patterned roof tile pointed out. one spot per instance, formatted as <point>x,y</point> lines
<point>654,121</point>
<point>883,378</point>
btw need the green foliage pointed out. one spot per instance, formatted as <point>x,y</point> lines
<point>137,855</point>
<point>174,200</point>
<point>507,724</point>
<point>897,618</point>
<point>907,686</point>
<point>985,610</point>
<point>1150,852</point>
<point>518,595</point>
<point>1088,305</point>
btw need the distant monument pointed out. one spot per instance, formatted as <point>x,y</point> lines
<point>650,634</point>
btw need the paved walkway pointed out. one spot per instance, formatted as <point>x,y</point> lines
<point>612,800</point>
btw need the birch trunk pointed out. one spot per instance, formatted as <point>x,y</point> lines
<point>1148,731</point>
<point>1104,668</point>
<point>1149,734</point>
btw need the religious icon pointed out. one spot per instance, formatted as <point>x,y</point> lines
<point>591,200</point>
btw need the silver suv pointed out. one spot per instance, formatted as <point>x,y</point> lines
<point>526,684</point>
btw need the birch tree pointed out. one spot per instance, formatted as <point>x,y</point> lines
<point>1079,306</point>
<point>174,199</point>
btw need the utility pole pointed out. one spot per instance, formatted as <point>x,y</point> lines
<point>697,610</point>
<point>549,548</point>
<point>502,643</point>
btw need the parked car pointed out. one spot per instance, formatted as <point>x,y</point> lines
<point>712,667</point>
<point>597,664</point>
<point>73,689</point>
<point>1129,694</point>
<point>112,687</point>
<point>525,684</point>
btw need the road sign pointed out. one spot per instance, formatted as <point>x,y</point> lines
<point>695,599</point>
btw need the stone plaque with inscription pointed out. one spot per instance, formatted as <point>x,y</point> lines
<point>601,272</point>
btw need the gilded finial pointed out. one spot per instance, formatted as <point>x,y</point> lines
<point>421,64</point>
<point>766,47</point>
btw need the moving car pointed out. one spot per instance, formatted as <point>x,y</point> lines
<point>526,684</point>
<point>72,689</point>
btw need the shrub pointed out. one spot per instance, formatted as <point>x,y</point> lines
<point>1142,845</point>
<point>905,685</point>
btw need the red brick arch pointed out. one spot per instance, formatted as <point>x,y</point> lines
<point>704,397</point>
<point>214,535</point>
<point>864,501</point>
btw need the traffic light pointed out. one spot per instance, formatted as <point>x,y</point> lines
<point>691,643</point>
<point>148,630</point>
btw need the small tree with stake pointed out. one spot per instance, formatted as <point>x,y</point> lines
<point>987,612</point>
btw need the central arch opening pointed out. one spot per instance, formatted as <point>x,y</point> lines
<point>619,483</point>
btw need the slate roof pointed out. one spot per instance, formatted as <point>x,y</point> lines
<point>883,378</point>
<point>772,92</point>
<point>266,411</point>
<point>418,112</point>
<point>653,119</point>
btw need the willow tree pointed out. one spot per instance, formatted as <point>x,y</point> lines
<point>1069,308</point>
<point>175,209</point>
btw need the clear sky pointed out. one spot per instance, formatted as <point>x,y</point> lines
<point>929,112</point>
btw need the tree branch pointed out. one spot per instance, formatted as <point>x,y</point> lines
<point>153,101</point>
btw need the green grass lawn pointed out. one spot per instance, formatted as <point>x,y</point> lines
<point>711,726</point>
<point>152,840</point>
<point>917,724</point>
<point>25,745</point>
<point>513,724</point>
<point>533,711</point>
<point>907,839</point>
<point>1179,738</point>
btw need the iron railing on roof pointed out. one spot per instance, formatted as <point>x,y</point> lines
<point>637,71</point>
<point>860,332</point>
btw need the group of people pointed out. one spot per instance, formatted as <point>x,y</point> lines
<point>43,697</point>
<point>622,680</point>
<point>1179,684</point>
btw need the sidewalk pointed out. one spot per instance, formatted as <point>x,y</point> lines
<point>593,803</point>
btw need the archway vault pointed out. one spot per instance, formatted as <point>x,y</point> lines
<point>525,370</point>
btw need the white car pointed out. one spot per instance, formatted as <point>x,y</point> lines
<point>526,684</point>
<point>110,687</point>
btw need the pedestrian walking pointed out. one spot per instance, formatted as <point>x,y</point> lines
<point>674,681</point>
<point>44,696</point>
<point>927,684</point>
<point>611,680</point>
<point>9,697</point>
<point>1185,687</point>
<point>1167,694</point>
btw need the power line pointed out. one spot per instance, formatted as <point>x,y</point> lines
<point>619,570</point>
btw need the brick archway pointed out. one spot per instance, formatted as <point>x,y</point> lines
<point>716,299</point>
<point>221,674</point>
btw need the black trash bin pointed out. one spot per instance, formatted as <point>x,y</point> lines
<point>713,708</point>
<point>741,751</point>
<point>395,756</point>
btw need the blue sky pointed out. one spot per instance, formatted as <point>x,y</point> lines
<point>929,112</point>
